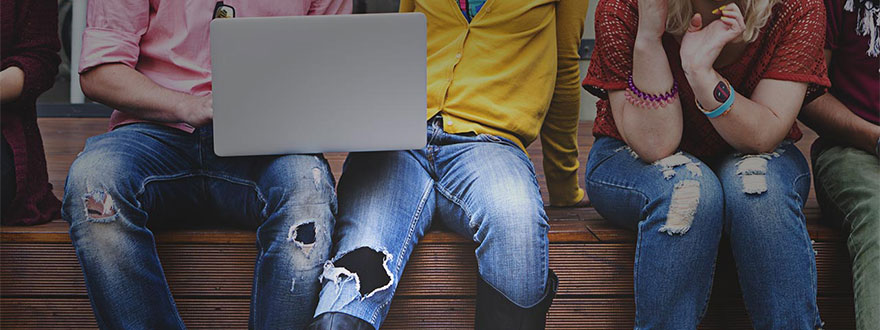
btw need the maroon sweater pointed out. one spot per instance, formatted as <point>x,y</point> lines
<point>29,40</point>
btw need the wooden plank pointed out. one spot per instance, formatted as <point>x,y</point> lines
<point>434,269</point>
<point>417,313</point>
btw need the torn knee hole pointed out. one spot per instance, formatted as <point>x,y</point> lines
<point>682,207</point>
<point>368,266</point>
<point>99,205</point>
<point>667,165</point>
<point>752,169</point>
<point>303,235</point>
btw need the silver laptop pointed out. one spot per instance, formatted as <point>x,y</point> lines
<point>310,84</point>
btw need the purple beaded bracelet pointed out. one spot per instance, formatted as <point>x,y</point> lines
<point>645,100</point>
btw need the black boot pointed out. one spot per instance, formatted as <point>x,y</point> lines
<point>494,311</point>
<point>338,321</point>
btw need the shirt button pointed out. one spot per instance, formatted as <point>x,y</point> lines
<point>458,55</point>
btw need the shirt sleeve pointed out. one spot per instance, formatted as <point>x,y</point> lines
<point>560,127</point>
<point>800,56</point>
<point>612,60</point>
<point>331,7</point>
<point>113,32</point>
<point>35,50</point>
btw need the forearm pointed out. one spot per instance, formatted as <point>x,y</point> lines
<point>749,127</point>
<point>123,88</point>
<point>11,84</point>
<point>652,133</point>
<point>831,118</point>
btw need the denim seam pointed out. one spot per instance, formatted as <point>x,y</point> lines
<point>406,242</point>
<point>709,292</point>
<point>811,250</point>
<point>457,201</point>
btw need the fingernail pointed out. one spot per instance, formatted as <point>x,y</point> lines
<point>719,9</point>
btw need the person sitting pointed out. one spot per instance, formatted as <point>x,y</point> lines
<point>846,157</point>
<point>499,73</point>
<point>694,132</point>
<point>157,168</point>
<point>29,64</point>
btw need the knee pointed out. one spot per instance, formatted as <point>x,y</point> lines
<point>95,188</point>
<point>691,194</point>
<point>519,221</point>
<point>301,237</point>
<point>759,201</point>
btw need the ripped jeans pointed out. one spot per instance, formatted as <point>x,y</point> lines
<point>482,187</point>
<point>680,205</point>
<point>142,177</point>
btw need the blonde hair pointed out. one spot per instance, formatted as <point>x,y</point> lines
<point>756,13</point>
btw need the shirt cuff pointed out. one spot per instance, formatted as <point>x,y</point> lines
<point>102,46</point>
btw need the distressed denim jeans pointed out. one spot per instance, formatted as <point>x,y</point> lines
<point>848,189</point>
<point>144,176</point>
<point>482,187</point>
<point>680,206</point>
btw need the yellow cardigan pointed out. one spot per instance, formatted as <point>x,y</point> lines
<point>511,72</point>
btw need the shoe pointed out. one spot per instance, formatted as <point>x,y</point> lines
<point>338,321</point>
<point>495,311</point>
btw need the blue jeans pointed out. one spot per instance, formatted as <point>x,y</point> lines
<point>680,205</point>
<point>143,174</point>
<point>481,186</point>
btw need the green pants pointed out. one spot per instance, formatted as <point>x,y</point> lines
<point>848,188</point>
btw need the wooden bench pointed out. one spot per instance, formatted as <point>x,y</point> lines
<point>210,271</point>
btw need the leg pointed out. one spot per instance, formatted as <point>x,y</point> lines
<point>111,191</point>
<point>490,194</point>
<point>764,197</point>
<point>386,200</point>
<point>8,178</point>
<point>291,199</point>
<point>676,206</point>
<point>848,184</point>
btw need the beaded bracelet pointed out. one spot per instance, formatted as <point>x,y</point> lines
<point>641,99</point>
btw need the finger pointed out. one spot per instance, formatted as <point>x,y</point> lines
<point>731,22</point>
<point>736,18</point>
<point>733,7</point>
<point>696,23</point>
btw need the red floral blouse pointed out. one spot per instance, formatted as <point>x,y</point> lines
<point>789,47</point>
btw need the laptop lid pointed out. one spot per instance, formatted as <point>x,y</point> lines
<point>311,84</point>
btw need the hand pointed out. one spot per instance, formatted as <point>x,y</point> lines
<point>652,19</point>
<point>701,45</point>
<point>196,111</point>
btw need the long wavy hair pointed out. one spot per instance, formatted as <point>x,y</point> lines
<point>756,13</point>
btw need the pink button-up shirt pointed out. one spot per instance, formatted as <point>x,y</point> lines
<point>167,40</point>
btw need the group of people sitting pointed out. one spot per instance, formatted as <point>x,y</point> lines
<point>698,101</point>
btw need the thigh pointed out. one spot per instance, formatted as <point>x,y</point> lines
<point>246,191</point>
<point>849,180</point>
<point>487,180</point>
<point>625,190</point>
<point>386,201</point>
<point>134,169</point>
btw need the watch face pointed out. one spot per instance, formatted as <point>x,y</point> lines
<point>721,92</point>
<point>223,11</point>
